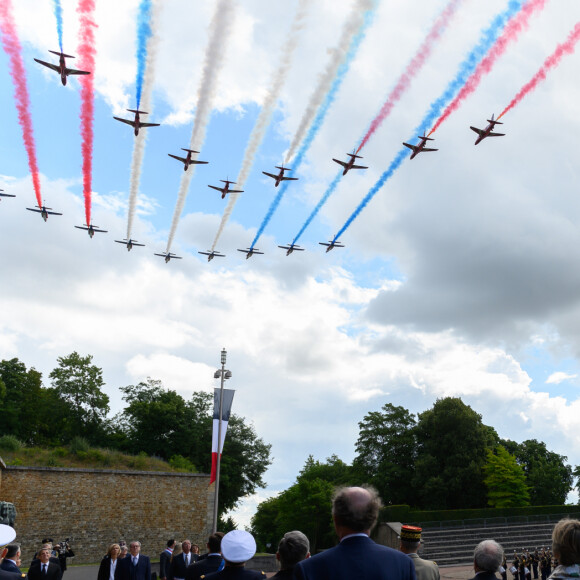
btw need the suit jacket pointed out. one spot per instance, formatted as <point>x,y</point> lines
<point>485,576</point>
<point>126,571</point>
<point>53,572</point>
<point>178,567</point>
<point>425,569</point>
<point>164,563</point>
<point>105,568</point>
<point>236,573</point>
<point>9,566</point>
<point>203,567</point>
<point>357,557</point>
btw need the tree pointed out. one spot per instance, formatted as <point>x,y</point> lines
<point>451,453</point>
<point>548,476</point>
<point>386,449</point>
<point>505,480</point>
<point>77,382</point>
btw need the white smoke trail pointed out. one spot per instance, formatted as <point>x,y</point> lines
<point>141,139</point>
<point>219,32</point>
<point>353,24</point>
<point>268,106</point>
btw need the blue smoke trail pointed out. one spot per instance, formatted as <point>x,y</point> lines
<point>318,120</point>
<point>488,37</point>
<point>58,16</point>
<point>143,34</point>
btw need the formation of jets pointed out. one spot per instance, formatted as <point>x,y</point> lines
<point>488,131</point>
<point>169,256</point>
<point>187,161</point>
<point>43,211</point>
<point>212,255</point>
<point>291,248</point>
<point>61,67</point>
<point>348,165</point>
<point>136,123</point>
<point>91,229</point>
<point>129,243</point>
<point>226,189</point>
<point>331,245</point>
<point>280,176</point>
<point>250,252</point>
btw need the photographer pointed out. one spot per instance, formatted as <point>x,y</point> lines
<point>63,551</point>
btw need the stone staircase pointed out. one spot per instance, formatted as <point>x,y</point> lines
<point>453,546</point>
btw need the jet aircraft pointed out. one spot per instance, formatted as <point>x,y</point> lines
<point>348,165</point>
<point>169,256</point>
<point>137,123</point>
<point>130,243</point>
<point>226,189</point>
<point>291,248</point>
<point>421,146</point>
<point>211,255</point>
<point>61,68</point>
<point>6,194</point>
<point>250,252</point>
<point>488,131</point>
<point>91,229</point>
<point>187,161</point>
<point>43,211</point>
<point>280,176</point>
<point>331,244</point>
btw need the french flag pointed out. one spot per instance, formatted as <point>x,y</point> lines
<point>228,397</point>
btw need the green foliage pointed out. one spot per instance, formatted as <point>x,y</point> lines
<point>10,443</point>
<point>181,463</point>
<point>386,450</point>
<point>227,525</point>
<point>547,475</point>
<point>505,480</point>
<point>79,445</point>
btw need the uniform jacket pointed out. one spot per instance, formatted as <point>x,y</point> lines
<point>425,569</point>
<point>203,567</point>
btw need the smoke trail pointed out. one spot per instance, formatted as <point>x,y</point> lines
<point>87,53</point>
<point>413,68</point>
<point>143,35</point>
<point>339,67</point>
<point>510,34</point>
<point>12,47</point>
<point>141,139</point>
<point>219,32</point>
<point>355,21</point>
<point>552,61</point>
<point>486,41</point>
<point>266,111</point>
<point>58,16</point>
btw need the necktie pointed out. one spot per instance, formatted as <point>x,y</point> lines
<point>44,569</point>
<point>134,560</point>
<point>187,559</point>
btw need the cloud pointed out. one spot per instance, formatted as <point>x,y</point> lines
<point>559,377</point>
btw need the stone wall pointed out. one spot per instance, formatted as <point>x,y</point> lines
<point>96,507</point>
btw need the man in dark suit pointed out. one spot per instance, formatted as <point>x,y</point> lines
<point>355,511</point>
<point>180,563</point>
<point>134,566</point>
<point>211,563</point>
<point>487,558</point>
<point>9,562</point>
<point>44,569</point>
<point>165,560</point>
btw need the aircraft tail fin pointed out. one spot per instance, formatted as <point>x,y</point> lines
<point>61,54</point>
<point>137,111</point>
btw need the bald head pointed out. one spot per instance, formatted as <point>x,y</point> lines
<point>355,510</point>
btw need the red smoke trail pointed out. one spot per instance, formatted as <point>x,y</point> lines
<point>87,52</point>
<point>552,61</point>
<point>510,33</point>
<point>13,50</point>
<point>412,68</point>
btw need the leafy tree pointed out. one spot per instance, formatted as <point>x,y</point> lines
<point>77,383</point>
<point>451,453</point>
<point>547,474</point>
<point>505,480</point>
<point>386,449</point>
<point>265,526</point>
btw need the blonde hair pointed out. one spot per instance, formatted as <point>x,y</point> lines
<point>111,548</point>
<point>177,550</point>
<point>566,542</point>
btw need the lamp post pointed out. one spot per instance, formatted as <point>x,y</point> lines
<point>223,374</point>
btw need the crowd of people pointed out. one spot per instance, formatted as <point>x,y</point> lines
<point>354,512</point>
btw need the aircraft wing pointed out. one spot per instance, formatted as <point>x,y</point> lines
<point>496,135</point>
<point>99,230</point>
<point>427,149</point>
<point>412,147</point>
<point>72,71</point>
<point>478,131</point>
<point>127,121</point>
<point>7,195</point>
<point>220,189</point>
<point>182,159</point>
<point>289,178</point>
<point>359,167</point>
<point>270,175</point>
<point>49,65</point>
<point>149,124</point>
<point>343,163</point>
<point>235,191</point>
<point>199,162</point>
<point>175,257</point>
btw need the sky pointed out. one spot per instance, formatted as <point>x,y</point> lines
<point>460,278</point>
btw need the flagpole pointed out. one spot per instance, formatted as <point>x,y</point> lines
<point>219,450</point>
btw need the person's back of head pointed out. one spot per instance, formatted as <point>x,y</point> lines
<point>170,543</point>
<point>214,543</point>
<point>12,551</point>
<point>356,509</point>
<point>566,542</point>
<point>293,548</point>
<point>487,556</point>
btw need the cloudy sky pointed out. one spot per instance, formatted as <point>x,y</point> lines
<point>460,278</point>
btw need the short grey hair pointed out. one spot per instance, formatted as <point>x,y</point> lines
<point>293,548</point>
<point>488,556</point>
<point>356,508</point>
